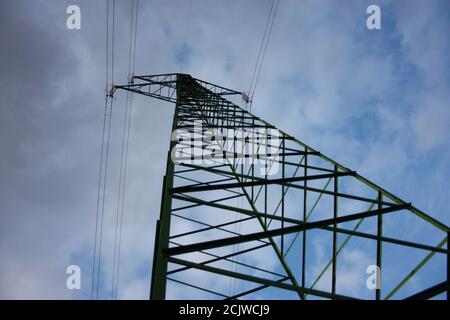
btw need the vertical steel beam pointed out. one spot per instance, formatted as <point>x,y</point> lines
<point>305,213</point>
<point>159,271</point>
<point>155,254</point>
<point>335,215</point>
<point>252,160</point>
<point>266,167</point>
<point>282,195</point>
<point>379,245</point>
<point>448,265</point>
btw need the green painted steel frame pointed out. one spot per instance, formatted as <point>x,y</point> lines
<point>197,100</point>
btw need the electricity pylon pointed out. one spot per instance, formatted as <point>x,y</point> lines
<point>270,217</point>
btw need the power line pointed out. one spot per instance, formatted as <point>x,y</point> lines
<point>123,193</point>
<point>263,49</point>
<point>104,155</point>
<point>124,155</point>
<point>126,149</point>
<point>135,35</point>
<point>100,175</point>
<point>105,178</point>
<point>113,41</point>
<point>101,153</point>
<point>119,194</point>
<point>119,199</point>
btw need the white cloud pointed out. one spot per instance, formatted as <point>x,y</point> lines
<point>317,81</point>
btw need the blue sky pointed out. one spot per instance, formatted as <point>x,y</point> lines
<point>375,101</point>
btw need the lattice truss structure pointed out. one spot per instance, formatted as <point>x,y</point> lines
<point>277,219</point>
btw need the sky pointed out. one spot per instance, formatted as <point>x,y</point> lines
<point>376,101</point>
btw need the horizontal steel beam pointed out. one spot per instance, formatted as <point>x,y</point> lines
<point>268,282</point>
<point>430,292</point>
<point>252,213</point>
<point>247,177</point>
<point>185,189</point>
<point>278,232</point>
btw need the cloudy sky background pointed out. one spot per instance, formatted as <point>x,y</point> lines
<point>375,101</point>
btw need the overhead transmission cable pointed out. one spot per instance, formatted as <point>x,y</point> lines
<point>262,50</point>
<point>125,146</point>
<point>105,176</point>
<point>94,256</point>
<point>104,154</point>
<point>251,91</point>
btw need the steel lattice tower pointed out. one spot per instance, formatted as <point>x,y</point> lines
<point>220,216</point>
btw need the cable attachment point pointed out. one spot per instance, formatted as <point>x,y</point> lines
<point>246,98</point>
<point>112,91</point>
